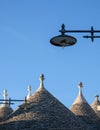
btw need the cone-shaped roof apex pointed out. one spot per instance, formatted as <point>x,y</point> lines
<point>80,98</point>
<point>96,105</point>
<point>96,102</point>
<point>81,108</point>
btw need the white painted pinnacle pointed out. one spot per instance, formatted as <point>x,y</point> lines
<point>41,80</point>
<point>80,85</point>
<point>29,91</point>
<point>5,103</point>
<point>5,94</point>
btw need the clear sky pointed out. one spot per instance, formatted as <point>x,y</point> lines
<point>26,27</point>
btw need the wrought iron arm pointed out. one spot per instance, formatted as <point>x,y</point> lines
<point>91,31</point>
<point>9,101</point>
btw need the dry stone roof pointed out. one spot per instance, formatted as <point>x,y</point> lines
<point>81,108</point>
<point>4,112</point>
<point>42,111</point>
<point>96,105</point>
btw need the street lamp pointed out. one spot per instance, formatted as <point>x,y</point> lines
<point>66,40</point>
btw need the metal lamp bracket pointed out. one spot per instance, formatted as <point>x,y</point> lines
<point>91,31</point>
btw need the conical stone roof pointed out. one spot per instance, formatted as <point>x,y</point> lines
<point>42,111</point>
<point>5,109</point>
<point>81,108</point>
<point>96,105</point>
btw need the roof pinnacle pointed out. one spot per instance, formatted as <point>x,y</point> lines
<point>80,85</point>
<point>29,91</point>
<point>41,80</point>
<point>5,94</point>
<point>97,97</point>
<point>80,98</point>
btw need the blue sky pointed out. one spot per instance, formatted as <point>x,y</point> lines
<point>26,27</point>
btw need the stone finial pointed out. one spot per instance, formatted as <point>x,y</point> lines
<point>41,80</point>
<point>97,97</point>
<point>5,94</point>
<point>5,103</point>
<point>29,91</point>
<point>80,85</point>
